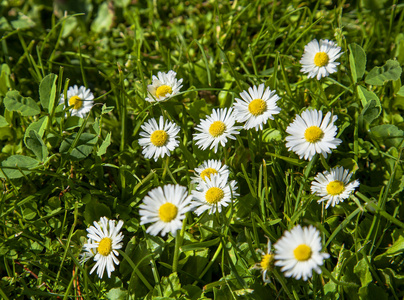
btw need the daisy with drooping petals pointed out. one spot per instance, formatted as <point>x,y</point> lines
<point>267,262</point>
<point>165,208</point>
<point>158,139</point>
<point>311,134</point>
<point>257,106</point>
<point>298,252</point>
<point>80,98</point>
<point>319,58</point>
<point>163,87</point>
<point>104,239</point>
<point>209,167</point>
<point>333,186</point>
<point>213,194</point>
<point>216,129</point>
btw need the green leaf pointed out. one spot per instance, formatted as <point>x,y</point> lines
<point>270,135</point>
<point>379,75</point>
<point>362,270</point>
<point>95,210</point>
<point>104,145</point>
<point>371,105</point>
<point>103,21</point>
<point>39,126</point>
<point>401,91</point>
<point>29,213</point>
<point>12,166</point>
<point>47,91</point>
<point>25,105</point>
<point>117,294</point>
<point>372,292</point>
<point>35,143</point>
<point>396,248</point>
<point>3,122</point>
<point>357,61</point>
<point>83,148</point>
<point>170,285</point>
<point>106,109</point>
<point>389,135</point>
<point>72,122</point>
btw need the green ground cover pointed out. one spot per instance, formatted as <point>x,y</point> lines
<point>62,172</point>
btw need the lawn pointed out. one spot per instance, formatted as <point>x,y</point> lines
<point>201,149</point>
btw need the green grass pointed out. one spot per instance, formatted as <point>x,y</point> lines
<point>59,175</point>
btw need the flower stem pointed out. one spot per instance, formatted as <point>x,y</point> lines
<point>178,243</point>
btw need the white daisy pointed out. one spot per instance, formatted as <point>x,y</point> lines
<point>216,129</point>
<point>298,252</point>
<point>311,134</point>
<point>213,193</point>
<point>158,139</point>
<point>165,208</point>
<point>80,98</point>
<point>163,87</point>
<point>209,167</point>
<point>319,58</point>
<point>257,106</point>
<point>104,239</point>
<point>334,186</point>
<point>267,262</point>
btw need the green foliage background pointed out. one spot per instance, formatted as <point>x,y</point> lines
<point>59,174</point>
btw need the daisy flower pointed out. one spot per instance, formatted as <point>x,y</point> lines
<point>334,186</point>
<point>165,208</point>
<point>209,167</point>
<point>80,98</point>
<point>104,239</point>
<point>319,58</point>
<point>158,139</point>
<point>298,252</point>
<point>163,87</point>
<point>257,106</point>
<point>267,262</point>
<point>311,134</point>
<point>213,194</point>
<point>216,129</point>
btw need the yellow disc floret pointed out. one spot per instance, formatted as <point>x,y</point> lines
<point>302,252</point>
<point>335,187</point>
<point>105,246</point>
<point>313,134</point>
<point>163,90</point>
<point>214,195</point>
<point>217,128</point>
<point>207,172</point>
<point>159,138</point>
<point>267,262</point>
<point>76,101</point>
<point>321,59</point>
<point>168,212</point>
<point>257,107</point>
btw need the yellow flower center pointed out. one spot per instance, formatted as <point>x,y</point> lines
<point>207,172</point>
<point>159,138</point>
<point>76,101</point>
<point>214,195</point>
<point>105,246</point>
<point>163,90</point>
<point>335,187</point>
<point>257,107</point>
<point>302,252</point>
<point>313,134</point>
<point>168,212</point>
<point>267,262</point>
<point>321,59</point>
<point>217,128</point>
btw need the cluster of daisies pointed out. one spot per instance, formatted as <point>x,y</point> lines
<point>164,208</point>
